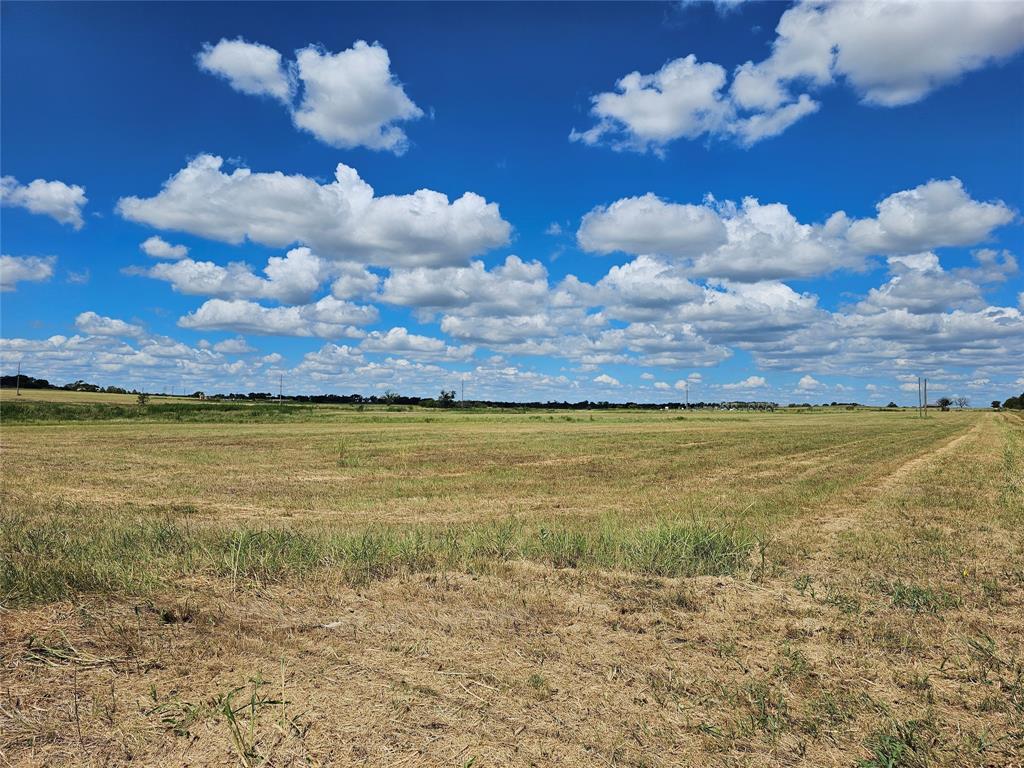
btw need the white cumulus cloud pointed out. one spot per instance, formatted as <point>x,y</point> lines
<point>60,201</point>
<point>18,269</point>
<point>346,99</point>
<point>751,382</point>
<point>326,318</point>
<point>891,52</point>
<point>158,248</point>
<point>342,219</point>
<point>98,325</point>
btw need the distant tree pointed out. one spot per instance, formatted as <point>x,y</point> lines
<point>995,404</point>
<point>447,398</point>
<point>142,399</point>
<point>1015,403</point>
<point>390,396</point>
<point>892,405</point>
<point>944,403</point>
<point>961,402</point>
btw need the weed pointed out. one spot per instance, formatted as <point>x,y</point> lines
<point>908,744</point>
<point>803,584</point>
<point>916,598</point>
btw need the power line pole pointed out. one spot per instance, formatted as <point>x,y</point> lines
<point>19,379</point>
<point>280,389</point>
<point>926,398</point>
<point>462,388</point>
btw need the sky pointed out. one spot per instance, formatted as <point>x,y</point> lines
<point>805,202</point>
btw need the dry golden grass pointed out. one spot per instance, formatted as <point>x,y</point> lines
<point>874,616</point>
<point>68,396</point>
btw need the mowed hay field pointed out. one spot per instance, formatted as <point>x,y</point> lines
<point>220,584</point>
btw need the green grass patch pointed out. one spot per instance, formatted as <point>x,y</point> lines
<point>63,555</point>
<point>31,412</point>
<point>915,597</point>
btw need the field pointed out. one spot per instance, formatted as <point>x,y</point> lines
<point>217,584</point>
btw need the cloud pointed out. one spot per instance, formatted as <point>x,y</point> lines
<point>56,199</point>
<point>235,346</point>
<point>993,266</point>
<point>249,68</point>
<point>353,281</point>
<point>291,279</point>
<point>877,342</point>
<point>809,384</point>
<point>751,382</point>
<point>340,220</point>
<point>400,341</point>
<point>895,53</point>
<point>647,224</point>
<point>511,288</point>
<point>890,53</point>
<point>554,229</point>
<point>18,269</point>
<point>919,285</point>
<point>932,215</point>
<point>606,380</point>
<point>765,125</point>
<point>147,362</point>
<point>766,242</point>
<point>681,100</point>
<point>754,241</point>
<point>97,325</point>
<point>327,318</point>
<point>347,99</point>
<point>158,248</point>
<point>79,278</point>
<point>351,98</point>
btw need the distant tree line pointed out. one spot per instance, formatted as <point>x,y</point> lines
<point>447,399</point>
<point>1016,403</point>
<point>30,382</point>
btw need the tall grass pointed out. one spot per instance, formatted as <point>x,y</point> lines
<point>38,411</point>
<point>63,555</point>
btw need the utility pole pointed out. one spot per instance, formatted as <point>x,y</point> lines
<point>926,398</point>
<point>462,388</point>
<point>280,389</point>
<point>19,380</point>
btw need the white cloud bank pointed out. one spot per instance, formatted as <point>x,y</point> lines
<point>342,220</point>
<point>347,99</point>
<point>891,52</point>
<point>327,318</point>
<point>764,241</point>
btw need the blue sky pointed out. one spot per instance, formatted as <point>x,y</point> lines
<point>791,202</point>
